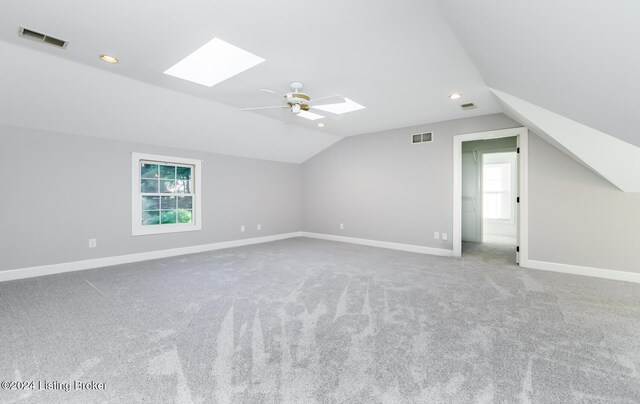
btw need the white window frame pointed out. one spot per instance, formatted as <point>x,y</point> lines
<point>137,228</point>
<point>509,194</point>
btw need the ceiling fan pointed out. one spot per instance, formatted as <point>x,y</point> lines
<point>298,101</point>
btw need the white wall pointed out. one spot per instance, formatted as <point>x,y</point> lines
<point>59,191</point>
<point>576,217</point>
<point>384,188</point>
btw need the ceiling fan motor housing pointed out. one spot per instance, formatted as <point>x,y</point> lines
<point>297,101</point>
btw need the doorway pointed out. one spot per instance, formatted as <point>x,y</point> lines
<point>490,194</point>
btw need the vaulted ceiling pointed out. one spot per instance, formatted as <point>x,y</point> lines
<point>566,69</point>
<point>576,58</point>
<point>399,60</point>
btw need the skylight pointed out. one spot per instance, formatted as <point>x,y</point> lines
<point>309,115</point>
<point>213,63</point>
<point>341,108</point>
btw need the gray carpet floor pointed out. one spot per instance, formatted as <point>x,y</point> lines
<point>305,321</point>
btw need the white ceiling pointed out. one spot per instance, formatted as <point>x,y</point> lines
<point>399,59</point>
<point>577,58</point>
<point>50,93</point>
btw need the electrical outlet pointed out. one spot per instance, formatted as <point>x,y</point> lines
<point>341,226</point>
<point>436,236</point>
<point>242,228</point>
<point>444,236</point>
<point>259,227</point>
<point>93,243</point>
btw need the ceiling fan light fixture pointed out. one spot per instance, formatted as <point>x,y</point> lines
<point>340,108</point>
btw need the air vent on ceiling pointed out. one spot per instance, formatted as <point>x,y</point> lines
<point>468,106</point>
<point>44,38</point>
<point>422,137</point>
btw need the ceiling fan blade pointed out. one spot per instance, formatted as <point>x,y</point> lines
<point>273,93</point>
<point>332,99</point>
<point>253,109</point>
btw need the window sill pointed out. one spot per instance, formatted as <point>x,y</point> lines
<point>160,229</point>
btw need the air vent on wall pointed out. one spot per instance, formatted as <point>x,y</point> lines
<point>44,38</point>
<point>422,137</point>
<point>468,106</point>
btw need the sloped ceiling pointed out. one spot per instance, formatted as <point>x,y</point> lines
<point>577,58</point>
<point>612,158</point>
<point>42,91</point>
<point>399,59</point>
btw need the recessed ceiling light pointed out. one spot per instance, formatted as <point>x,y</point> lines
<point>321,125</point>
<point>213,63</point>
<point>309,115</point>
<point>455,96</point>
<point>342,107</point>
<point>109,59</point>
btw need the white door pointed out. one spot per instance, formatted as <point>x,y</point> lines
<point>471,214</point>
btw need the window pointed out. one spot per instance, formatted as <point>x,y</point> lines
<point>496,184</point>
<point>166,194</point>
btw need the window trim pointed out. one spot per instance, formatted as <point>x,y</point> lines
<point>509,193</point>
<point>137,229</point>
<point>515,180</point>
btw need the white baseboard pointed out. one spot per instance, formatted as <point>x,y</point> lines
<point>382,244</point>
<point>585,271</point>
<point>530,264</point>
<point>30,272</point>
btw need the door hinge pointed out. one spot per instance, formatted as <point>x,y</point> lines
<point>518,249</point>
<point>518,150</point>
<point>518,200</point>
